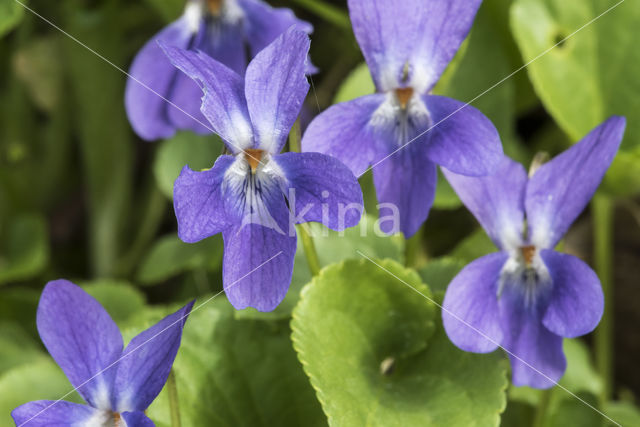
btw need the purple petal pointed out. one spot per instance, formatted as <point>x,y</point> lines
<point>406,182</point>
<point>224,42</point>
<point>259,251</point>
<point>536,353</point>
<point>147,111</point>
<point>321,189</point>
<point>497,201</point>
<point>461,138</point>
<point>257,266</point>
<point>223,103</point>
<point>423,34</point>
<point>343,131</point>
<point>52,413</point>
<point>137,419</point>
<point>146,362</point>
<point>81,337</point>
<point>198,200</point>
<point>576,303</point>
<point>470,309</point>
<point>263,24</point>
<point>561,188</point>
<point>275,88</point>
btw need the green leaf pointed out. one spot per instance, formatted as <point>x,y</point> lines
<point>24,248</point>
<point>576,413</point>
<point>474,246</point>
<point>625,413</point>
<point>41,379</point>
<point>119,298</point>
<point>18,347</point>
<point>357,84</point>
<point>185,148</point>
<point>19,304</point>
<point>11,13</point>
<point>170,10</point>
<point>238,372</point>
<point>170,256</point>
<point>590,76</point>
<point>439,272</point>
<point>332,247</point>
<point>377,354</point>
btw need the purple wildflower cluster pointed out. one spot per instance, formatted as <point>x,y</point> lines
<point>524,298</point>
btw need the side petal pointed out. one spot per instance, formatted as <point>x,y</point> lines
<point>198,201</point>
<point>497,201</point>
<point>406,185</point>
<point>58,413</point>
<point>422,34</point>
<point>137,419</point>
<point>147,111</point>
<point>263,24</point>
<point>146,362</point>
<point>576,303</point>
<point>343,131</point>
<point>81,337</point>
<point>275,88</point>
<point>560,189</point>
<point>223,103</point>
<point>470,309</point>
<point>321,189</point>
<point>461,138</point>
<point>536,355</point>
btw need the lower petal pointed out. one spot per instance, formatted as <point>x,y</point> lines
<point>461,138</point>
<point>52,413</point>
<point>535,352</point>
<point>470,309</point>
<point>137,419</point>
<point>343,131</point>
<point>257,265</point>
<point>198,200</point>
<point>576,303</point>
<point>321,189</point>
<point>406,185</point>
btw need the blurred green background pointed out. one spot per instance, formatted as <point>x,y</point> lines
<point>81,197</point>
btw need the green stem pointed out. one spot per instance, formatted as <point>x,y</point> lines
<point>413,247</point>
<point>174,406</point>
<point>307,241</point>
<point>603,217</point>
<point>328,12</point>
<point>543,407</point>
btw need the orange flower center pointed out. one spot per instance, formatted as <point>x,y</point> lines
<point>404,94</point>
<point>214,6</point>
<point>253,157</point>
<point>527,253</point>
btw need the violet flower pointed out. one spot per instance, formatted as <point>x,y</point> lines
<point>117,384</point>
<point>527,297</point>
<point>407,45</point>
<point>247,196</point>
<point>225,30</point>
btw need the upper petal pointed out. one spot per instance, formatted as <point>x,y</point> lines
<point>146,362</point>
<point>58,413</point>
<point>81,337</point>
<point>461,138</point>
<point>470,309</point>
<point>561,188</point>
<point>424,35</point>
<point>576,303</point>
<point>497,201</point>
<point>223,103</point>
<point>152,72</point>
<point>321,189</point>
<point>275,88</point>
<point>198,201</point>
<point>343,131</point>
<point>535,352</point>
<point>263,24</point>
<point>406,186</point>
